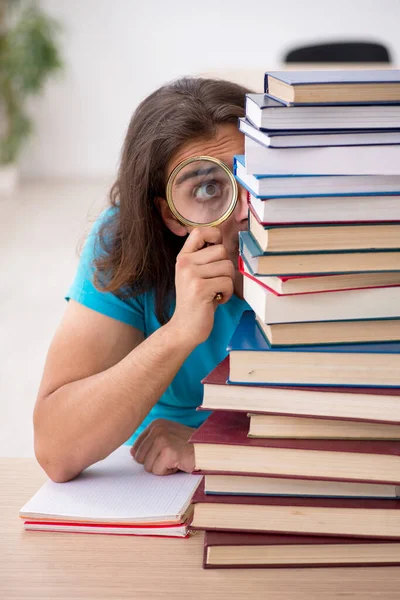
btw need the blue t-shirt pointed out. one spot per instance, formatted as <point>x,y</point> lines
<point>185,393</point>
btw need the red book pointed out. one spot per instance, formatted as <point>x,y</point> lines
<point>221,444</point>
<point>257,550</point>
<point>310,516</point>
<point>298,285</point>
<point>372,404</point>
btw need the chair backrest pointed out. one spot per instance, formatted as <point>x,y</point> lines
<point>338,52</point>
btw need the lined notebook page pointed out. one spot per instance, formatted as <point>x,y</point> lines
<point>116,489</point>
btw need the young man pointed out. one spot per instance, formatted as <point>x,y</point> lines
<point>143,326</point>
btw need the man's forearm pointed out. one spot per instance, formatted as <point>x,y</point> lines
<point>83,421</point>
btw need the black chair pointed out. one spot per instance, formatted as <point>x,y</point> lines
<point>338,52</point>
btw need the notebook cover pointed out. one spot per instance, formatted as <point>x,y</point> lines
<point>220,376</point>
<point>126,526</point>
<point>231,428</point>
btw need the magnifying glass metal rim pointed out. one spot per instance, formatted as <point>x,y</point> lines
<point>171,180</point>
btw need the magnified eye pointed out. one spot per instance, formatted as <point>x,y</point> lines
<point>208,190</point>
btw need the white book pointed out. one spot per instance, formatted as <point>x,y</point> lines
<point>267,112</point>
<point>371,303</point>
<point>297,186</point>
<point>312,138</point>
<point>334,160</point>
<point>117,492</point>
<point>326,209</point>
<point>282,486</point>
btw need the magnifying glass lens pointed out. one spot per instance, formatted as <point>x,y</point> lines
<point>202,192</point>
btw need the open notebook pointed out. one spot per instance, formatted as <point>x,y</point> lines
<point>117,496</point>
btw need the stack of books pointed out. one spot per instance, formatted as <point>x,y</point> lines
<point>301,456</point>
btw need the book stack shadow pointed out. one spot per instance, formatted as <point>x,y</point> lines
<point>301,454</point>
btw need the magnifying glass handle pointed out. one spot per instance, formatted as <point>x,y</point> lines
<point>218,296</point>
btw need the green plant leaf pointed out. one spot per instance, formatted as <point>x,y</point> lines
<point>28,56</point>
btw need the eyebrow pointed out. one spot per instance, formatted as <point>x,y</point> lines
<point>194,173</point>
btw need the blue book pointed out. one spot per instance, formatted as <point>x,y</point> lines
<point>286,264</point>
<point>267,112</point>
<point>254,361</point>
<point>318,186</point>
<point>334,87</point>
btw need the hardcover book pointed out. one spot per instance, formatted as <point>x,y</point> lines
<point>372,404</point>
<point>371,303</point>
<point>257,550</point>
<point>300,516</point>
<point>264,485</point>
<point>336,87</point>
<point>253,360</point>
<point>278,426</point>
<point>335,237</point>
<point>311,138</point>
<point>299,186</point>
<point>327,160</point>
<point>267,112</point>
<point>307,284</point>
<point>326,210</point>
<point>272,263</point>
<point>330,332</point>
<point>222,444</point>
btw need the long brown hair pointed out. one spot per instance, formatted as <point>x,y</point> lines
<point>138,252</point>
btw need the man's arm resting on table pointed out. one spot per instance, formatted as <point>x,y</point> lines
<point>101,378</point>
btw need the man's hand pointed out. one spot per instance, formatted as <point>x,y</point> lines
<point>163,448</point>
<point>203,270</point>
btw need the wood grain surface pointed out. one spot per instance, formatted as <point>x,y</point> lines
<point>57,566</point>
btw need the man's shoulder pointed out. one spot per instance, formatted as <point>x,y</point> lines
<point>107,215</point>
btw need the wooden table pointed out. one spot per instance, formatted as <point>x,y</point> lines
<point>54,566</point>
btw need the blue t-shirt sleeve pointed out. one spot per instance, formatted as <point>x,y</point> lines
<point>82,290</point>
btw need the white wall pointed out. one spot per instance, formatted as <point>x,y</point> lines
<point>118,51</point>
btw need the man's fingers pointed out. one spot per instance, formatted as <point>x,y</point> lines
<point>150,449</point>
<point>199,237</point>
<point>138,441</point>
<point>142,448</point>
<point>160,459</point>
<point>163,464</point>
<point>151,456</point>
<point>221,285</point>
<point>222,268</point>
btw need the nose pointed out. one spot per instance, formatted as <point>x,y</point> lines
<point>242,207</point>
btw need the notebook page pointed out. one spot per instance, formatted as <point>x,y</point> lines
<point>116,489</point>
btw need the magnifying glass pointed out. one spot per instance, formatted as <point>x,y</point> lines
<point>202,191</point>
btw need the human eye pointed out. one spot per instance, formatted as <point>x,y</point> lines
<point>208,190</point>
